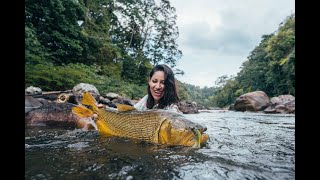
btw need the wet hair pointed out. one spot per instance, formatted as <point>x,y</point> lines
<point>170,95</point>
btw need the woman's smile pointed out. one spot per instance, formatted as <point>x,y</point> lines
<point>156,83</point>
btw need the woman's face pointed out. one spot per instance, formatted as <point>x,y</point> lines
<point>156,83</point>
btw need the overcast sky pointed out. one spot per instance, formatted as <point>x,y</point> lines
<point>217,36</point>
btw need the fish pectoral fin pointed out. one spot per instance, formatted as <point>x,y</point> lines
<point>82,111</point>
<point>124,107</point>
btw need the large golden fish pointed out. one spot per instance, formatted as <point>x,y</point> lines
<point>155,126</point>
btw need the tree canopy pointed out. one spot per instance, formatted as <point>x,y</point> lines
<point>120,39</point>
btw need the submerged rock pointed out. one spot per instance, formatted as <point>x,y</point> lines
<point>55,114</point>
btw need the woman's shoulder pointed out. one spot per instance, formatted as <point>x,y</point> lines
<point>142,103</point>
<point>174,107</point>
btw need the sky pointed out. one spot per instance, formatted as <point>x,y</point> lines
<point>217,36</point>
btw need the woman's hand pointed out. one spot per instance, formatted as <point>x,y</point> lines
<point>100,105</point>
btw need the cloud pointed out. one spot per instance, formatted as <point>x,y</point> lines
<point>217,36</point>
<point>204,70</point>
<point>223,40</point>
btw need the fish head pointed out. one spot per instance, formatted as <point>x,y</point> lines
<point>181,131</point>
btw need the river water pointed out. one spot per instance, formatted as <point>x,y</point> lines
<point>242,145</point>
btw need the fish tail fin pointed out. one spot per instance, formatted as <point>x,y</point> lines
<point>89,100</point>
<point>82,111</point>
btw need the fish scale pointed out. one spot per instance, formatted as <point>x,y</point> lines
<point>142,126</point>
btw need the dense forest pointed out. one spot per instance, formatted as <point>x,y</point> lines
<point>113,44</point>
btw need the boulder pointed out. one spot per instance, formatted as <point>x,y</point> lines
<point>112,96</point>
<point>31,103</point>
<point>252,101</point>
<point>187,107</point>
<point>55,114</point>
<point>33,90</point>
<point>283,104</point>
<point>84,87</point>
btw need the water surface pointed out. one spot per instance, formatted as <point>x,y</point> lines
<point>242,145</point>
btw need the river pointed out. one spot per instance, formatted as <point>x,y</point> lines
<point>242,145</point>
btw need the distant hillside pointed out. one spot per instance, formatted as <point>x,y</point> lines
<point>270,67</point>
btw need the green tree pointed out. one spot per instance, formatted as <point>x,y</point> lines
<point>146,30</point>
<point>271,65</point>
<point>56,28</point>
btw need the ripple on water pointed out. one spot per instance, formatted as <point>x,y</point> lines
<point>240,146</point>
<point>78,145</point>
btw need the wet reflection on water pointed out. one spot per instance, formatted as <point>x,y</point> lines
<point>241,146</point>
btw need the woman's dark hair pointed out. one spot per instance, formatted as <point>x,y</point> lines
<point>170,93</point>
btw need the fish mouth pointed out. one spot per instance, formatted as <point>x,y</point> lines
<point>199,138</point>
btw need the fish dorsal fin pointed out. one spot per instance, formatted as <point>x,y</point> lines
<point>89,100</point>
<point>82,111</point>
<point>124,107</point>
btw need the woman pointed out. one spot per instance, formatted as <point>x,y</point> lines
<point>162,93</point>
